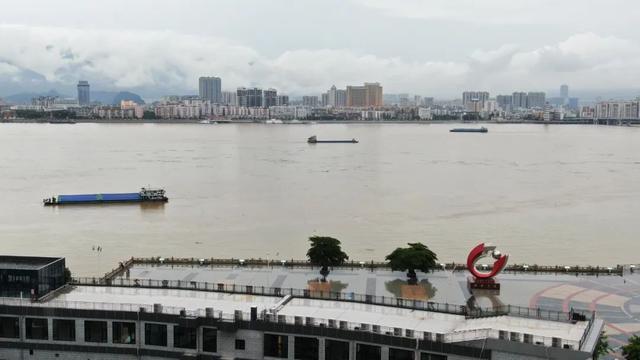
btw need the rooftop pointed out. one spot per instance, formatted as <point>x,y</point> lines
<point>26,262</point>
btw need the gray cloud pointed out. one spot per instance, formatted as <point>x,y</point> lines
<point>172,61</point>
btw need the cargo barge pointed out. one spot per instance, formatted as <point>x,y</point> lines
<point>145,195</point>
<point>471,130</point>
<point>314,140</point>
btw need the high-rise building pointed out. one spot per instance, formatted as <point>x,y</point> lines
<point>229,98</point>
<point>310,101</point>
<point>368,95</point>
<point>84,93</point>
<point>283,100</point>
<point>474,100</point>
<point>249,97</point>
<point>374,94</point>
<point>505,102</point>
<point>210,88</point>
<point>341,98</point>
<point>536,100</point>
<point>270,98</point>
<point>564,91</point>
<point>427,101</point>
<point>519,100</point>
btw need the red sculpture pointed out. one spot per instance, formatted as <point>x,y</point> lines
<point>483,250</point>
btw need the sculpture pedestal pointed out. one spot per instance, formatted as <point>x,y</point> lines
<point>474,283</point>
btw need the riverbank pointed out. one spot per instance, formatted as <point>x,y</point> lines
<point>312,122</point>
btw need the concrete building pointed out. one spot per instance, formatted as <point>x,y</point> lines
<point>251,97</point>
<point>84,93</point>
<point>427,102</point>
<point>229,98</point>
<point>132,105</point>
<point>336,98</point>
<point>519,100</point>
<point>210,89</point>
<point>536,100</point>
<point>311,101</point>
<point>474,101</point>
<point>564,91</point>
<point>283,100</point>
<point>270,98</point>
<point>505,102</point>
<point>368,95</point>
<point>185,319</point>
<point>618,110</point>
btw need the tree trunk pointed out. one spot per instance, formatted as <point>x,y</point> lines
<point>324,271</point>
<point>413,277</point>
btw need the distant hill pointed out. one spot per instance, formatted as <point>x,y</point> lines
<point>25,98</point>
<point>114,98</point>
<point>105,97</point>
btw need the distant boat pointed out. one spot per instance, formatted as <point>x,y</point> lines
<point>62,122</point>
<point>145,195</point>
<point>471,130</point>
<point>314,140</point>
<point>274,121</point>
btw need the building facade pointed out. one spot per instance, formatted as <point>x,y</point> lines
<point>270,98</point>
<point>84,93</point>
<point>249,97</point>
<point>210,88</point>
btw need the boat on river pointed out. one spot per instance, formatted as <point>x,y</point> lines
<point>144,195</point>
<point>471,130</point>
<point>314,140</point>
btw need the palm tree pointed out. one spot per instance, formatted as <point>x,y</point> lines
<point>415,257</point>
<point>325,252</point>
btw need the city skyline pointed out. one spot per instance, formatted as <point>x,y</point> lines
<point>300,57</point>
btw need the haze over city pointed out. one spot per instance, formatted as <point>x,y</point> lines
<point>432,48</point>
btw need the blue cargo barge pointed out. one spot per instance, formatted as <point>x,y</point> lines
<point>145,195</point>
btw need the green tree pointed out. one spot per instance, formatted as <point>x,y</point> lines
<point>67,275</point>
<point>631,351</point>
<point>602,347</point>
<point>415,257</point>
<point>325,252</point>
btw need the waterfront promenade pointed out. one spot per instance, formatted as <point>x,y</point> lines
<point>614,298</point>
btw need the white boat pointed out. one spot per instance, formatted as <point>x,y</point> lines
<point>274,121</point>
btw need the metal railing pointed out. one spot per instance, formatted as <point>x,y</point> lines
<point>372,265</point>
<point>412,304</point>
<point>266,316</point>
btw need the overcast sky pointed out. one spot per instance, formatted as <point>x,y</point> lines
<point>429,47</point>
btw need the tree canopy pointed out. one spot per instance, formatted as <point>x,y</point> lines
<point>326,251</point>
<point>602,347</point>
<point>415,257</point>
<point>631,351</point>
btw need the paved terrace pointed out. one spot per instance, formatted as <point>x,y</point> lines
<point>616,299</point>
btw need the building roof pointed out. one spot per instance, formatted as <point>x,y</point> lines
<point>453,328</point>
<point>26,262</point>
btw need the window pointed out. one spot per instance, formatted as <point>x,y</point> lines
<point>209,340</point>
<point>124,332</point>
<point>95,331</point>
<point>427,356</point>
<point>239,344</point>
<point>184,337</point>
<point>400,354</point>
<point>9,327</point>
<point>155,334</point>
<point>336,350</point>
<point>306,348</point>
<point>367,352</point>
<point>276,346</point>
<point>37,329</point>
<point>64,330</point>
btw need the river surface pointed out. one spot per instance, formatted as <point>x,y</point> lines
<point>543,194</point>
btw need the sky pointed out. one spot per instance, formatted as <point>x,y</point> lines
<point>429,47</point>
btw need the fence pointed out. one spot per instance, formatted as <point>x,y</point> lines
<point>372,265</point>
<point>446,308</point>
